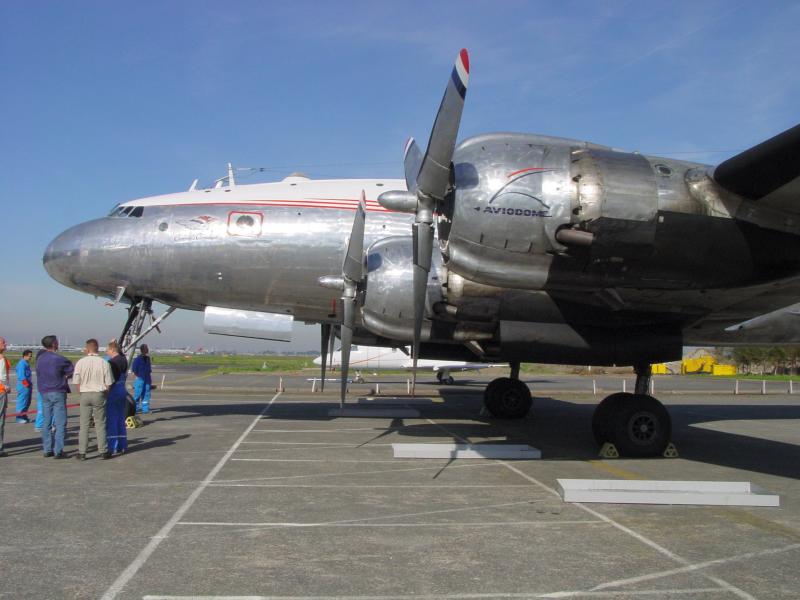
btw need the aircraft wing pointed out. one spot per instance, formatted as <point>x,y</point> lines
<point>768,173</point>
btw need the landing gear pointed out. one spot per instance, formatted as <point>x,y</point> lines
<point>134,330</point>
<point>637,424</point>
<point>507,398</point>
<point>359,378</point>
<point>445,378</point>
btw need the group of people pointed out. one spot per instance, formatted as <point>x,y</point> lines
<point>100,382</point>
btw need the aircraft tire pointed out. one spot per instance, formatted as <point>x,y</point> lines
<point>448,380</point>
<point>507,398</point>
<point>640,427</point>
<point>602,417</point>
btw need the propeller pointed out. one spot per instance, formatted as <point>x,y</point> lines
<point>349,283</point>
<point>427,181</point>
<point>325,335</point>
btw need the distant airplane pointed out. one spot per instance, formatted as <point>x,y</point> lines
<point>375,358</point>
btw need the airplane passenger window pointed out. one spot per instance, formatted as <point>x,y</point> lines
<point>245,224</point>
<point>664,170</point>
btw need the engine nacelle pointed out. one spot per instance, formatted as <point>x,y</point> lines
<point>520,201</point>
<point>388,307</point>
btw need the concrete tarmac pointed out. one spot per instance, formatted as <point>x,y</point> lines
<point>257,494</point>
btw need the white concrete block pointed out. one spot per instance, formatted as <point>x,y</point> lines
<point>504,451</point>
<point>374,411</point>
<point>710,493</point>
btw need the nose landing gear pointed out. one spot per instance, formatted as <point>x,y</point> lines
<point>637,424</point>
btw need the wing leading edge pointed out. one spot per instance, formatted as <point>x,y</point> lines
<point>768,172</point>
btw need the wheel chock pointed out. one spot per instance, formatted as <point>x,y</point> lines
<point>670,451</point>
<point>609,450</point>
<point>133,422</point>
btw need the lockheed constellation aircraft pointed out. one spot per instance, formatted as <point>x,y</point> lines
<point>507,247</point>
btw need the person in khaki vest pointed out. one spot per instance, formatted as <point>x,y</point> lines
<point>93,377</point>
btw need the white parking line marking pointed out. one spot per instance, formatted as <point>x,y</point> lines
<point>267,524</point>
<point>634,534</point>
<point>148,550</point>
<point>476,596</point>
<point>372,487</point>
<point>320,430</point>
<point>695,567</point>
<point>381,472</point>
<point>329,444</point>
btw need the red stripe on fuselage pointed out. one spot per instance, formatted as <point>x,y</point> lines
<point>343,204</point>
<point>528,170</point>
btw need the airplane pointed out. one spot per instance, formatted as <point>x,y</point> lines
<point>376,358</point>
<point>505,247</point>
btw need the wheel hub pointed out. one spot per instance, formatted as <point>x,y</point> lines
<point>643,427</point>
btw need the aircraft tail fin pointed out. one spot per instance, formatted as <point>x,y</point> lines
<point>768,172</point>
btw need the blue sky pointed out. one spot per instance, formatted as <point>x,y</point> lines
<point>108,101</point>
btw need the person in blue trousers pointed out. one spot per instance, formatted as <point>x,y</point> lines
<point>40,403</point>
<point>52,372</point>
<point>24,387</point>
<point>116,433</point>
<point>142,368</point>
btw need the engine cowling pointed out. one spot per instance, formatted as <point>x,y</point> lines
<point>521,200</point>
<point>388,303</point>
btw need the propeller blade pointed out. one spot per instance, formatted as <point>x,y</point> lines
<point>325,338</point>
<point>353,275</point>
<point>434,174</point>
<point>412,161</point>
<point>423,248</point>
<point>353,266</point>
<point>348,322</point>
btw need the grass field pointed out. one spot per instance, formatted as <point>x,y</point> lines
<point>222,364</point>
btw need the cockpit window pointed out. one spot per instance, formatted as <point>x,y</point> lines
<point>127,211</point>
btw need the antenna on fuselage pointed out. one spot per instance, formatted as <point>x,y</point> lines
<point>193,187</point>
<point>230,178</point>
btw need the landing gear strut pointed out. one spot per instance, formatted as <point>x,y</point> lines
<point>508,397</point>
<point>637,424</point>
<point>445,378</point>
<point>134,330</point>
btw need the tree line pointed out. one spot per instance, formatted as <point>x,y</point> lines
<point>775,360</point>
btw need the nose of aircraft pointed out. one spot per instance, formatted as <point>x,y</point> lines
<point>318,360</point>
<point>62,256</point>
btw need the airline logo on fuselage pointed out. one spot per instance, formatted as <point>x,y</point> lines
<point>539,210</point>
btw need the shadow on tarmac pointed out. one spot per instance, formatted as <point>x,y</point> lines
<point>562,430</point>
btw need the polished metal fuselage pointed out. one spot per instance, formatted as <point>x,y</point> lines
<point>673,257</point>
<point>186,249</point>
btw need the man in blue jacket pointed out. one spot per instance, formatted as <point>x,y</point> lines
<point>24,387</point>
<point>52,372</point>
<point>142,368</point>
